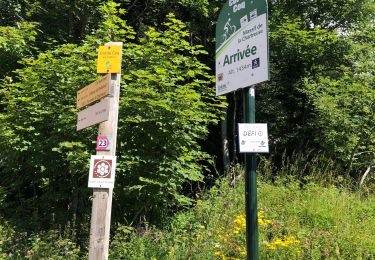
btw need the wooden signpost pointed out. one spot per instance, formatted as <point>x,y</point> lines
<point>103,164</point>
<point>102,197</point>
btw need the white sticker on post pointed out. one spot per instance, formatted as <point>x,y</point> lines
<point>102,171</point>
<point>253,138</point>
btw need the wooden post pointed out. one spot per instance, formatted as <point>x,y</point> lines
<point>102,198</point>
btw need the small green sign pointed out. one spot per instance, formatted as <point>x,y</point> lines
<point>241,45</point>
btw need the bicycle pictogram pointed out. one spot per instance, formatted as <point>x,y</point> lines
<point>228,30</point>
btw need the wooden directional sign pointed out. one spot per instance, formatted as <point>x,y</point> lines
<point>109,59</point>
<point>93,115</point>
<point>95,91</point>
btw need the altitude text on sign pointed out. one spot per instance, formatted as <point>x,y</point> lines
<point>95,91</point>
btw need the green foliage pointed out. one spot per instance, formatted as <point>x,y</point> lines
<point>200,6</point>
<point>167,104</point>
<point>320,97</point>
<point>47,158</point>
<point>15,43</point>
<point>295,52</point>
<point>194,13</point>
<point>343,101</point>
<point>10,12</point>
<point>326,14</point>
<point>12,244</point>
<point>52,245</point>
<point>60,21</point>
<point>17,245</point>
<point>144,249</point>
<point>38,126</point>
<point>321,93</point>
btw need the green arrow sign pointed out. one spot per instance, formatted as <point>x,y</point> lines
<point>241,45</point>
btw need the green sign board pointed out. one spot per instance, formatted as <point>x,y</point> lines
<point>241,45</point>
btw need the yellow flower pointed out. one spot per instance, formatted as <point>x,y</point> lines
<point>271,246</point>
<point>286,242</point>
<point>261,220</point>
<point>240,221</point>
<point>224,237</point>
<point>202,227</point>
<point>242,250</point>
<point>220,254</point>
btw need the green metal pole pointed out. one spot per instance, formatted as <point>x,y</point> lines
<point>251,183</point>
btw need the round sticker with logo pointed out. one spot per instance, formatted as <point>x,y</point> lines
<point>102,169</point>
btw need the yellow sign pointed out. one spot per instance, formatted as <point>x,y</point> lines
<point>109,59</point>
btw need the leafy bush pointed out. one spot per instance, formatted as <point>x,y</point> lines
<point>321,94</point>
<point>50,245</point>
<point>167,104</point>
<point>16,43</point>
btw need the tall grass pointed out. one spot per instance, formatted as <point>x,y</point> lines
<point>310,166</point>
<point>307,210</point>
<point>302,215</point>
